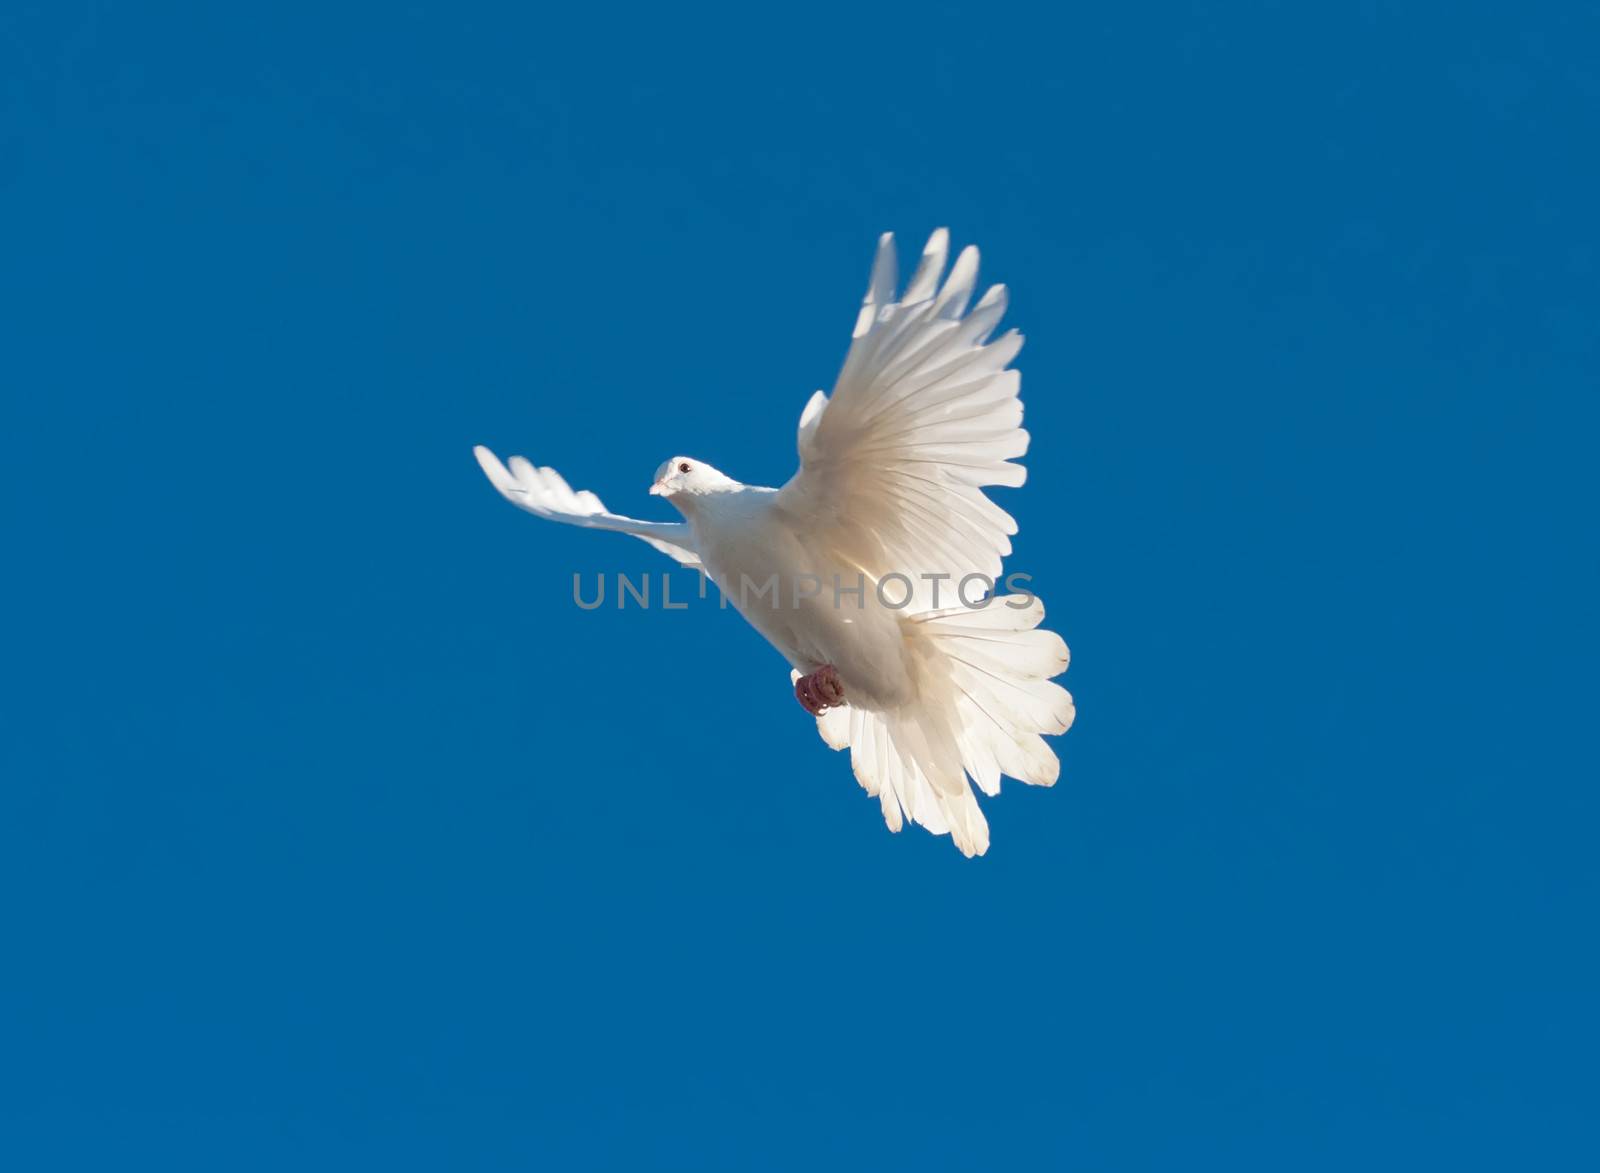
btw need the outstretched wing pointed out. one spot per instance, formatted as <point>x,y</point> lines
<point>924,414</point>
<point>543,493</point>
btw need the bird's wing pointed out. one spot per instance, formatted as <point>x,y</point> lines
<point>924,414</point>
<point>543,493</point>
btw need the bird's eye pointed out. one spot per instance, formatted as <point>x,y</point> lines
<point>684,467</point>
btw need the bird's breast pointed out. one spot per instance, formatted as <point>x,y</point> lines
<point>814,610</point>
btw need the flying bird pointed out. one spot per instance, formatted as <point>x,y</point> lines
<point>865,569</point>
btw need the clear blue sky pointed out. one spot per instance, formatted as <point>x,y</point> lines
<point>333,836</point>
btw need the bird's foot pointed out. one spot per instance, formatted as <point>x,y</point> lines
<point>820,690</point>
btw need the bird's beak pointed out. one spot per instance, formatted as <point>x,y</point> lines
<point>659,489</point>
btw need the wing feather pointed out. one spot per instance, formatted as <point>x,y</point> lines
<point>545,493</point>
<point>924,415</point>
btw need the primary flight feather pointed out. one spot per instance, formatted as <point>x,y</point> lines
<point>855,569</point>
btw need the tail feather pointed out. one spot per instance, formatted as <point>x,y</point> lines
<point>984,700</point>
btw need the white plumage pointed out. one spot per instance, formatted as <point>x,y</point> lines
<point>924,415</point>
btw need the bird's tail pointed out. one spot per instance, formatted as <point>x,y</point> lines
<point>984,701</point>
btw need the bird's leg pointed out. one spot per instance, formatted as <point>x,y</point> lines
<point>820,690</point>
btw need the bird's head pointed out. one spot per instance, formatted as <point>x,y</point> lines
<point>686,475</point>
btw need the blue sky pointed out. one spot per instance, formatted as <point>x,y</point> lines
<point>334,836</point>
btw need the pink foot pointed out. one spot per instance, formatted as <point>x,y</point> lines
<point>819,691</point>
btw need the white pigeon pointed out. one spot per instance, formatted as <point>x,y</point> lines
<point>869,543</point>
